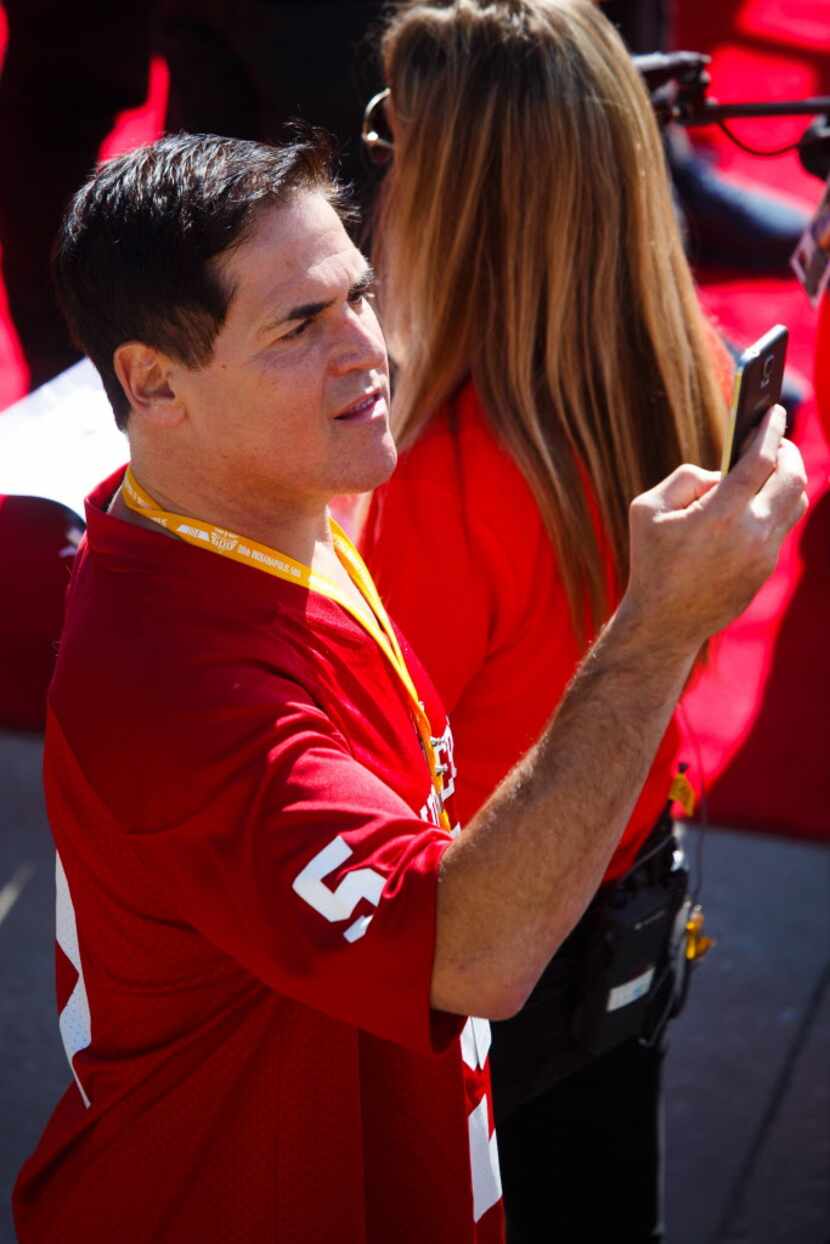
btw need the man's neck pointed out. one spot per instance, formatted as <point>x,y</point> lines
<point>304,535</point>
<point>300,533</point>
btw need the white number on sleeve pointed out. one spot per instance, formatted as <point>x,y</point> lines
<point>340,903</point>
<point>74,1021</point>
<point>484,1161</point>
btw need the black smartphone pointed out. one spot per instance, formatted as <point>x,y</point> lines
<point>758,383</point>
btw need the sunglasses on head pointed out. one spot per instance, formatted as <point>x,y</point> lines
<point>375,132</point>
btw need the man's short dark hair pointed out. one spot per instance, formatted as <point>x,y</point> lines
<point>132,257</point>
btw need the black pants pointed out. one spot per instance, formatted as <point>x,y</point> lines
<point>583,1161</point>
<point>580,1135</point>
<point>643,24</point>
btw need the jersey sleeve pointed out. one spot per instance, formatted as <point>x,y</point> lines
<point>314,876</point>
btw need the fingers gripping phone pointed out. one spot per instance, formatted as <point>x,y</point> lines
<point>757,387</point>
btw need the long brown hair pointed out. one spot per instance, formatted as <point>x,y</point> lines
<point>526,238</point>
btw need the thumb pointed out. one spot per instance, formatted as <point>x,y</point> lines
<point>758,461</point>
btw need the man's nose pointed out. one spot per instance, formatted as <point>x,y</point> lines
<point>360,345</point>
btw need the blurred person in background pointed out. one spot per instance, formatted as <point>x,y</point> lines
<point>725,224</point>
<point>240,70</point>
<point>552,361</point>
<point>68,69</point>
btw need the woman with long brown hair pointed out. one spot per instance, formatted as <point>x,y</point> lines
<point>552,363</point>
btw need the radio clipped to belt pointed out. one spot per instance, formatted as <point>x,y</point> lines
<point>647,932</point>
<point>693,944</point>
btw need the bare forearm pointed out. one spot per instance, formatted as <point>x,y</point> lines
<point>523,871</point>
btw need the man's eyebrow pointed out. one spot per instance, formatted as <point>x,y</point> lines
<point>364,283</point>
<point>307,310</point>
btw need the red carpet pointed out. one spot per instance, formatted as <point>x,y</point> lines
<point>759,715</point>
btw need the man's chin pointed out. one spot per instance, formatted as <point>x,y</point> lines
<point>389,463</point>
<point>373,471</point>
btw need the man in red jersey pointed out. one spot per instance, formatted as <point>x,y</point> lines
<point>269,940</point>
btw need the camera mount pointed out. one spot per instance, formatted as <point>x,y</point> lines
<point>678,82</point>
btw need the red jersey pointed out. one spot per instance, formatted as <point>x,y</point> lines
<point>247,867</point>
<point>458,527</point>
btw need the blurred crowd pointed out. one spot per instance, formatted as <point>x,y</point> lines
<point>243,70</point>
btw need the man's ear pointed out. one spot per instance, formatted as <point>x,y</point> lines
<point>145,376</point>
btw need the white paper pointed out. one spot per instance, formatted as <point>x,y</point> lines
<point>61,440</point>
<point>630,991</point>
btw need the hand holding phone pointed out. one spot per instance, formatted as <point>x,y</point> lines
<point>758,383</point>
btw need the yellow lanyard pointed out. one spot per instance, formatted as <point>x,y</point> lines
<point>207,536</point>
